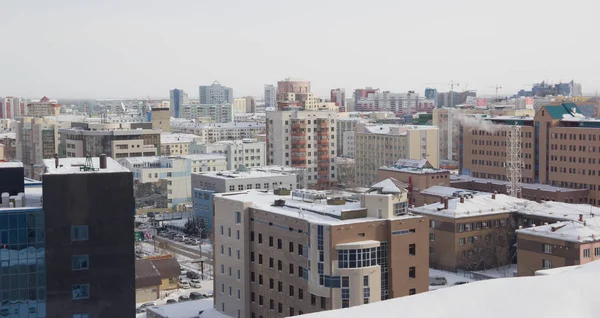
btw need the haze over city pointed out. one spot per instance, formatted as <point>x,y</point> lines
<point>129,49</point>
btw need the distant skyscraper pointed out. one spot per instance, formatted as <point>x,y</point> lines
<point>363,93</point>
<point>338,96</point>
<point>270,96</point>
<point>216,94</point>
<point>178,99</point>
<point>431,93</point>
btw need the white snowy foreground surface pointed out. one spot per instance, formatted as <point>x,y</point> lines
<point>573,293</point>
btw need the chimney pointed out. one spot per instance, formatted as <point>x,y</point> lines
<point>493,196</point>
<point>102,161</point>
<point>55,160</point>
<point>462,199</point>
<point>580,217</point>
<point>445,203</point>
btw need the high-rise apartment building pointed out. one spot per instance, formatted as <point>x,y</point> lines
<point>400,104</point>
<point>239,105</point>
<point>452,98</point>
<point>118,140</point>
<point>37,139</point>
<point>222,131</point>
<point>306,139</point>
<point>382,145</point>
<point>361,93</point>
<point>431,93</point>
<point>90,262</point>
<point>8,146</point>
<point>347,125</point>
<point>246,152</point>
<point>214,113</point>
<point>281,255</point>
<point>270,96</point>
<point>216,94</point>
<point>12,107</point>
<point>558,148</point>
<point>338,96</point>
<point>43,107</point>
<point>178,99</point>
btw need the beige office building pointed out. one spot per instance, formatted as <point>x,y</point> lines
<point>161,119</point>
<point>278,255</point>
<point>36,140</point>
<point>379,145</point>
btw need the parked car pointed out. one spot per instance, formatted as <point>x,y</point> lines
<point>183,272</point>
<point>209,294</point>
<point>437,281</point>
<point>183,298</point>
<point>192,275</point>
<point>195,283</point>
<point>460,283</point>
<point>142,307</point>
<point>196,242</point>
<point>184,285</point>
<point>171,301</point>
<point>196,295</point>
<point>187,241</point>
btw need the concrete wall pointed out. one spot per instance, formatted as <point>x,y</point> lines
<point>143,295</point>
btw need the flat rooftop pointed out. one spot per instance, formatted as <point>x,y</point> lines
<point>11,164</point>
<point>189,309</point>
<point>529,186</point>
<point>443,191</point>
<point>233,174</point>
<point>171,138</point>
<point>414,170</point>
<point>31,199</point>
<point>205,156</point>
<point>314,212</point>
<point>73,166</point>
<point>386,129</point>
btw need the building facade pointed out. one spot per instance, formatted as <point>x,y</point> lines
<point>213,113</point>
<point>558,149</point>
<point>161,119</point>
<point>247,152</point>
<point>382,145</point>
<point>289,256</point>
<point>270,96</point>
<point>173,144</point>
<point>12,107</point>
<point>217,132</point>
<point>304,139</point>
<point>178,99</point>
<point>216,94</point>
<point>345,125</point>
<point>36,139</point>
<point>117,140</point>
<point>81,279</point>
<point>338,96</point>
<point>43,107</point>
<point>401,104</point>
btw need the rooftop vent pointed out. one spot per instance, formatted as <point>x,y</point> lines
<point>336,201</point>
<point>281,191</point>
<point>279,202</point>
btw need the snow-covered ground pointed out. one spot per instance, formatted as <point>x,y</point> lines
<point>500,272</point>
<point>572,293</point>
<point>188,309</point>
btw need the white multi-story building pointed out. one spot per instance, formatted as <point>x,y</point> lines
<point>216,94</point>
<point>239,105</point>
<point>304,139</point>
<point>216,113</point>
<point>238,180</point>
<point>217,132</point>
<point>177,144</point>
<point>200,163</point>
<point>348,145</point>
<point>400,104</point>
<point>270,96</point>
<point>246,152</point>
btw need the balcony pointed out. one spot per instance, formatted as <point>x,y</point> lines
<point>298,126</point>
<point>298,133</point>
<point>323,149</point>
<point>323,142</point>
<point>323,133</point>
<point>324,164</point>
<point>323,173</point>
<point>323,125</point>
<point>299,157</point>
<point>299,142</point>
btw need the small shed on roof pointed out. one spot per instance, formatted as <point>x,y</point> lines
<point>167,267</point>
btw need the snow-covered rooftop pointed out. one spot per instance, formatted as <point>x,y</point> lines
<point>443,191</point>
<point>244,174</point>
<point>386,129</point>
<point>218,126</point>
<point>414,170</point>
<point>188,309</point>
<point>9,135</point>
<point>141,160</point>
<point>171,138</point>
<point>73,165</point>
<point>204,156</point>
<point>11,164</point>
<point>315,212</point>
<point>530,186</point>
<point>571,231</point>
<point>389,185</point>
<point>569,294</point>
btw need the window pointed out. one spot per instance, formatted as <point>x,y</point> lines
<point>222,269</point>
<point>79,233</point>
<point>271,283</point>
<point>271,304</point>
<point>222,288</point>
<point>412,272</point>
<point>222,230</point>
<point>260,259</point>
<point>253,297</point>
<point>237,234</point>
<point>260,300</point>
<point>270,241</point>
<point>432,224</point>
<point>300,293</point>
<point>291,269</point>
<point>259,238</point>
<point>238,274</point>
<point>251,236</point>
<point>461,241</point>
<point>313,300</point>
<point>260,279</point>
<point>252,277</point>
<point>597,251</point>
<point>238,217</point>
<point>291,291</point>
<point>238,254</point>
<point>461,227</point>
<point>239,294</point>
<point>432,237</point>
<point>81,291</point>
<point>323,303</point>
<point>279,244</point>
<point>79,262</point>
<point>412,249</point>
<point>470,240</point>
<point>280,308</point>
<point>300,249</point>
<point>412,291</point>
<point>291,311</point>
<point>547,248</point>
<point>279,286</point>
<point>252,257</point>
<point>291,247</point>
<point>546,263</point>
<point>229,251</point>
<point>271,262</point>
<point>586,253</point>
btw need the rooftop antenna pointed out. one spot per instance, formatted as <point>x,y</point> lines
<point>88,165</point>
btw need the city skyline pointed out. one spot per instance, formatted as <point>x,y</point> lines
<point>137,49</point>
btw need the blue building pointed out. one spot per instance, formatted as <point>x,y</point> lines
<point>431,93</point>
<point>203,206</point>
<point>178,98</point>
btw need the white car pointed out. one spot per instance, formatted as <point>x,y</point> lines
<point>143,307</point>
<point>195,283</point>
<point>184,285</point>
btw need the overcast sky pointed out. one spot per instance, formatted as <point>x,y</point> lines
<point>136,48</point>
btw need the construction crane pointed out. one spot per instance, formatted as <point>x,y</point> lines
<point>451,84</point>
<point>497,88</point>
